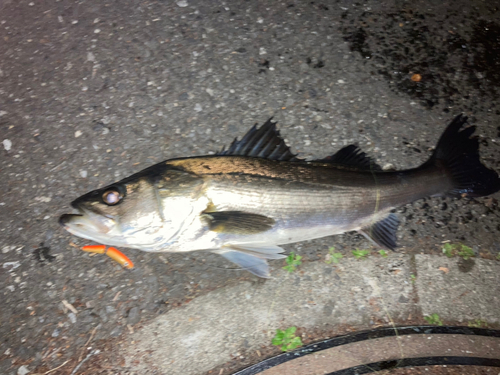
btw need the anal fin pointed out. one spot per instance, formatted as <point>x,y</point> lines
<point>383,232</point>
<point>252,257</point>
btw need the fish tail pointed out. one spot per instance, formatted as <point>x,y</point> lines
<point>458,153</point>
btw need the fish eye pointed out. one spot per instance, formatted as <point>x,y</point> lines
<point>112,196</point>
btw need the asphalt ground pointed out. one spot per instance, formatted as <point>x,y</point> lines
<point>93,91</point>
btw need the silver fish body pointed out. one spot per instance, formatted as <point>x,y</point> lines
<point>247,200</point>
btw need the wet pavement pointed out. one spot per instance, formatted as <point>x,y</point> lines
<point>93,91</point>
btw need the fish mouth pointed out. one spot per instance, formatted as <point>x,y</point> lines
<point>87,224</point>
<point>66,219</point>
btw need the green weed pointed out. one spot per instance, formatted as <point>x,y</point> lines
<point>465,252</point>
<point>433,319</point>
<point>459,249</point>
<point>292,261</point>
<point>478,323</point>
<point>286,339</point>
<point>332,256</point>
<point>383,253</point>
<point>360,254</point>
<point>448,250</point>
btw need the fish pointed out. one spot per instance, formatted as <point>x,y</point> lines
<point>245,201</point>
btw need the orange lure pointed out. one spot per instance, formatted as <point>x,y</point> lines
<point>111,252</point>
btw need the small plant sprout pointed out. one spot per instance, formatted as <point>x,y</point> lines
<point>478,323</point>
<point>413,278</point>
<point>433,319</point>
<point>292,261</point>
<point>360,254</point>
<point>383,253</point>
<point>465,252</point>
<point>459,249</point>
<point>332,256</point>
<point>448,250</point>
<point>286,339</point>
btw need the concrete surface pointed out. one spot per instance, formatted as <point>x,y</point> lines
<point>233,322</point>
<point>92,91</point>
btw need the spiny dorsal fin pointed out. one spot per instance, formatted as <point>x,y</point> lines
<point>352,156</point>
<point>264,142</point>
<point>383,233</point>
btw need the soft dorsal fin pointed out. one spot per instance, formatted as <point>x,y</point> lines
<point>264,142</point>
<point>352,156</point>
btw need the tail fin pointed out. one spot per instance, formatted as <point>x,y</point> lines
<point>458,153</point>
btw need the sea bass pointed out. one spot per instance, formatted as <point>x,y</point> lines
<point>244,202</point>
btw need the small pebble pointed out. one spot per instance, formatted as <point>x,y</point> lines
<point>7,248</point>
<point>83,174</point>
<point>182,3</point>
<point>133,316</point>
<point>78,133</point>
<point>97,31</point>
<point>72,317</point>
<point>23,370</point>
<point>43,199</point>
<point>197,107</point>
<point>7,144</point>
<point>117,331</point>
<point>11,265</point>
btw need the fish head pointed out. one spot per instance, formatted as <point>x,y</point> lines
<point>125,213</point>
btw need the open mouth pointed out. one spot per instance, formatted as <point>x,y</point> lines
<point>65,219</point>
<point>79,225</point>
<point>86,223</point>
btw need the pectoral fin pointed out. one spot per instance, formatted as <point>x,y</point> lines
<point>252,257</point>
<point>237,222</point>
<point>383,233</point>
